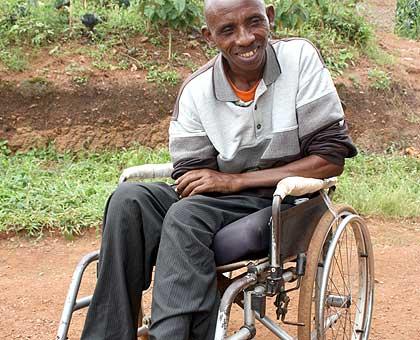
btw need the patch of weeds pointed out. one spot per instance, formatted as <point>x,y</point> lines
<point>75,68</point>
<point>102,65</point>
<point>408,19</point>
<point>67,191</point>
<point>210,52</point>
<point>413,118</point>
<point>162,76</point>
<point>355,80</point>
<point>123,64</point>
<point>378,55</point>
<point>380,80</point>
<point>340,62</point>
<point>384,185</point>
<point>186,61</point>
<point>14,59</point>
<point>55,51</point>
<point>80,80</point>
<point>155,41</point>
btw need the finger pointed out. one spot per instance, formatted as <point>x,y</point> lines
<point>186,181</point>
<point>199,190</point>
<point>187,174</point>
<point>191,186</point>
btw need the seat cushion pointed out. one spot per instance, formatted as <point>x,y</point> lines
<point>247,237</point>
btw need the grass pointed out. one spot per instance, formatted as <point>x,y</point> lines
<point>382,185</point>
<point>44,189</point>
<point>380,80</point>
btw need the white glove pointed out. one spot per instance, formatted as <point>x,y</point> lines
<point>147,171</point>
<point>298,186</point>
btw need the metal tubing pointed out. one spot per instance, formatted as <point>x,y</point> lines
<point>241,264</point>
<point>328,203</point>
<point>144,330</point>
<point>275,233</point>
<point>273,327</point>
<point>328,323</point>
<point>69,304</point>
<point>249,317</point>
<point>82,303</point>
<point>242,334</point>
<point>226,303</point>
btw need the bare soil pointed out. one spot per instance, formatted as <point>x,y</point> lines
<point>35,274</point>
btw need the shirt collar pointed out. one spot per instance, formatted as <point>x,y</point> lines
<point>222,89</point>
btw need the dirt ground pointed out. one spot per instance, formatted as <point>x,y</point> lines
<point>34,278</point>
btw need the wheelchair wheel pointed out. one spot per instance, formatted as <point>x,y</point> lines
<point>336,295</point>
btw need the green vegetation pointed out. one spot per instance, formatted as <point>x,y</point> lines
<point>336,27</point>
<point>380,80</point>
<point>46,189</point>
<point>14,59</point>
<point>382,185</point>
<point>163,76</point>
<point>408,19</point>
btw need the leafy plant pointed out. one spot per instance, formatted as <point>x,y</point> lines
<point>80,80</point>
<point>381,80</point>
<point>408,19</point>
<point>175,14</point>
<point>14,59</point>
<point>162,76</point>
<point>290,14</point>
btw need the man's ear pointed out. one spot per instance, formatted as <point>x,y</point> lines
<point>271,14</point>
<point>207,36</point>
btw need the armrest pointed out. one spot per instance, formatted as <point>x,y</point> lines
<point>298,186</point>
<point>147,171</point>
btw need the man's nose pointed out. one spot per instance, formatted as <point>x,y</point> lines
<point>245,38</point>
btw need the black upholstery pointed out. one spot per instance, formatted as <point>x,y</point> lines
<point>249,237</point>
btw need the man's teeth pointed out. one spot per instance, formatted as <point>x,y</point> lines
<point>248,54</point>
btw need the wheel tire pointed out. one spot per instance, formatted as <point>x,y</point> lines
<point>309,294</point>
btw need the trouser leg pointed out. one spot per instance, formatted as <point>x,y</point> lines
<point>185,299</point>
<point>130,240</point>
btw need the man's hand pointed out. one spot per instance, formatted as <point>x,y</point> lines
<point>205,180</point>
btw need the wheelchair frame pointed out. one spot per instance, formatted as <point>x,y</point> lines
<point>267,277</point>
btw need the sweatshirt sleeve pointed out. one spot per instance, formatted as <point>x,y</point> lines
<point>189,145</point>
<point>322,128</point>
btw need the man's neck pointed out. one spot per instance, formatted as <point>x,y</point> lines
<point>246,81</point>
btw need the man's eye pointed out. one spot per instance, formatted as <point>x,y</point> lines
<point>227,30</point>
<point>255,21</point>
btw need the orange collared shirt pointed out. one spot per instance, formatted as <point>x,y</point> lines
<point>245,96</point>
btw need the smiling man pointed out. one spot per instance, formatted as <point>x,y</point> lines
<point>257,113</point>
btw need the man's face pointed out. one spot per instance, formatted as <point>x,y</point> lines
<point>240,30</point>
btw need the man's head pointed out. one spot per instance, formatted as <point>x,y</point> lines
<point>240,30</point>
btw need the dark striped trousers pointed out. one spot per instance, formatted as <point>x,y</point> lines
<point>147,224</point>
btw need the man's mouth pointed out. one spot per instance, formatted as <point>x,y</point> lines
<point>249,54</point>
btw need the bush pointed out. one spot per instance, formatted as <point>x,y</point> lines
<point>336,28</point>
<point>21,23</point>
<point>408,18</point>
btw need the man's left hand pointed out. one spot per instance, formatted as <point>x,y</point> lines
<point>205,180</point>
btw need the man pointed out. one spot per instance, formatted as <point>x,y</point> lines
<point>257,113</point>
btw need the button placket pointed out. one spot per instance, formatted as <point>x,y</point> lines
<point>258,120</point>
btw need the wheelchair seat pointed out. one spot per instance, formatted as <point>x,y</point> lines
<point>249,237</point>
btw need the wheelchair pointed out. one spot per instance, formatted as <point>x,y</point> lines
<point>303,247</point>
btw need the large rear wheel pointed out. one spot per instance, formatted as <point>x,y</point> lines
<point>336,295</point>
